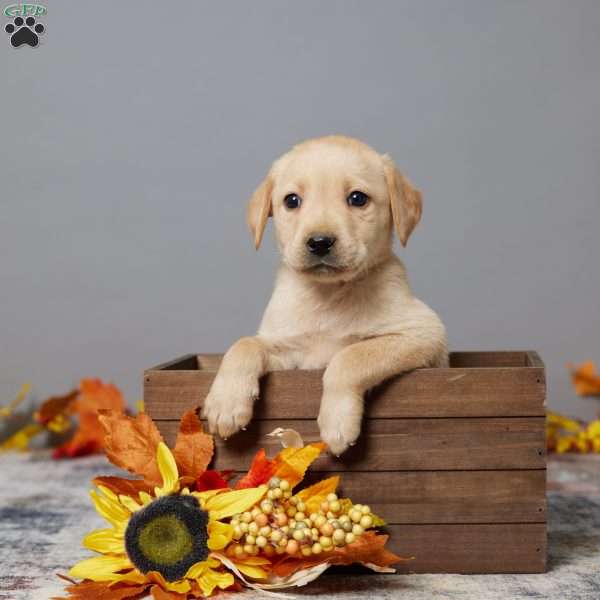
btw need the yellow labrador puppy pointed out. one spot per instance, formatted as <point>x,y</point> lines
<point>341,300</point>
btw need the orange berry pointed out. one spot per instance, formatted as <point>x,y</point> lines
<point>261,520</point>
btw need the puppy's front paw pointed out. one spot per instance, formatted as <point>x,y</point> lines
<point>339,419</point>
<point>228,405</point>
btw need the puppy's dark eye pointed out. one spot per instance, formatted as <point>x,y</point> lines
<point>292,201</point>
<point>357,198</point>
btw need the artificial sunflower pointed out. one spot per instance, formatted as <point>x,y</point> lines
<point>181,532</point>
<point>167,538</point>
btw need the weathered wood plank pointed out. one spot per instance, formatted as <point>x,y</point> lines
<point>492,548</point>
<point>401,444</point>
<point>489,359</point>
<point>415,497</point>
<point>502,358</point>
<point>454,392</point>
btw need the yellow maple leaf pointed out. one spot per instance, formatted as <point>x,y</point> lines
<point>291,463</point>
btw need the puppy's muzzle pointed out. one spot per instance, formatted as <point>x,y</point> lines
<point>320,244</point>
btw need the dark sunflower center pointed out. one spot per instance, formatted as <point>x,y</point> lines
<point>165,540</point>
<point>169,536</point>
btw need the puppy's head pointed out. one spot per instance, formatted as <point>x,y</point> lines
<point>335,202</point>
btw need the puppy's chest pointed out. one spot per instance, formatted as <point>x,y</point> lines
<point>312,350</point>
<point>310,340</point>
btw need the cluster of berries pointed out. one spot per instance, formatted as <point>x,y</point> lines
<point>280,524</point>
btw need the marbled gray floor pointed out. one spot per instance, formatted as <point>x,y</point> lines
<point>45,511</point>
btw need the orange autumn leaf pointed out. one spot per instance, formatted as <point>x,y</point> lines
<point>368,548</point>
<point>261,470</point>
<point>92,590</point>
<point>159,594</point>
<point>131,443</point>
<point>193,449</point>
<point>291,463</point>
<point>122,486</point>
<point>94,395</point>
<point>586,379</point>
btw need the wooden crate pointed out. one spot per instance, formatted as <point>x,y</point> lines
<point>453,459</point>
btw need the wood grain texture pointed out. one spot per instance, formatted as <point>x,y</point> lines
<point>492,548</point>
<point>417,497</point>
<point>461,391</point>
<point>400,444</point>
<point>492,359</point>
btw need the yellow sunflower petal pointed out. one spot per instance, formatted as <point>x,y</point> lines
<point>108,493</point>
<point>219,535</point>
<point>233,502</point>
<point>213,562</point>
<point>180,586</point>
<point>168,470</point>
<point>212,579</point>
<point>105,541</point>
<point>197,570</point>
<point>133,576</point>
<point>204,497</point>
<point>111,510</point>
<point>145,498</point>
<point>129,503</point>
<point>101,568</point>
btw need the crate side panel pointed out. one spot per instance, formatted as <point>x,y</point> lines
<point>416,497</point>
<point>401,444</point>
<point>502,358</point>
<point>492,548</point>
<point>422,393</point>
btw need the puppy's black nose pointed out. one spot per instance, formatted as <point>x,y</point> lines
<point>320,244</point>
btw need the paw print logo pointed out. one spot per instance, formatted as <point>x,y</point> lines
<point>24,31</point>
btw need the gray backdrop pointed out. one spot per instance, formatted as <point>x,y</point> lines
<point>133,136</point>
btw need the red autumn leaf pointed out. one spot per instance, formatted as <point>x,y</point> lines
<point>211,480</point>
<point>91,590</point>
<point>131,443</point>
<point>122,486</point>
<point>76,448</point>
<point>87,439</point>
<point>193,449</point>
<point>261,470</point>
<point>227,474</point>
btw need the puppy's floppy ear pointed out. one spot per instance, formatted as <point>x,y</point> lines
<point>405,200</point>
<point>259,210</point>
